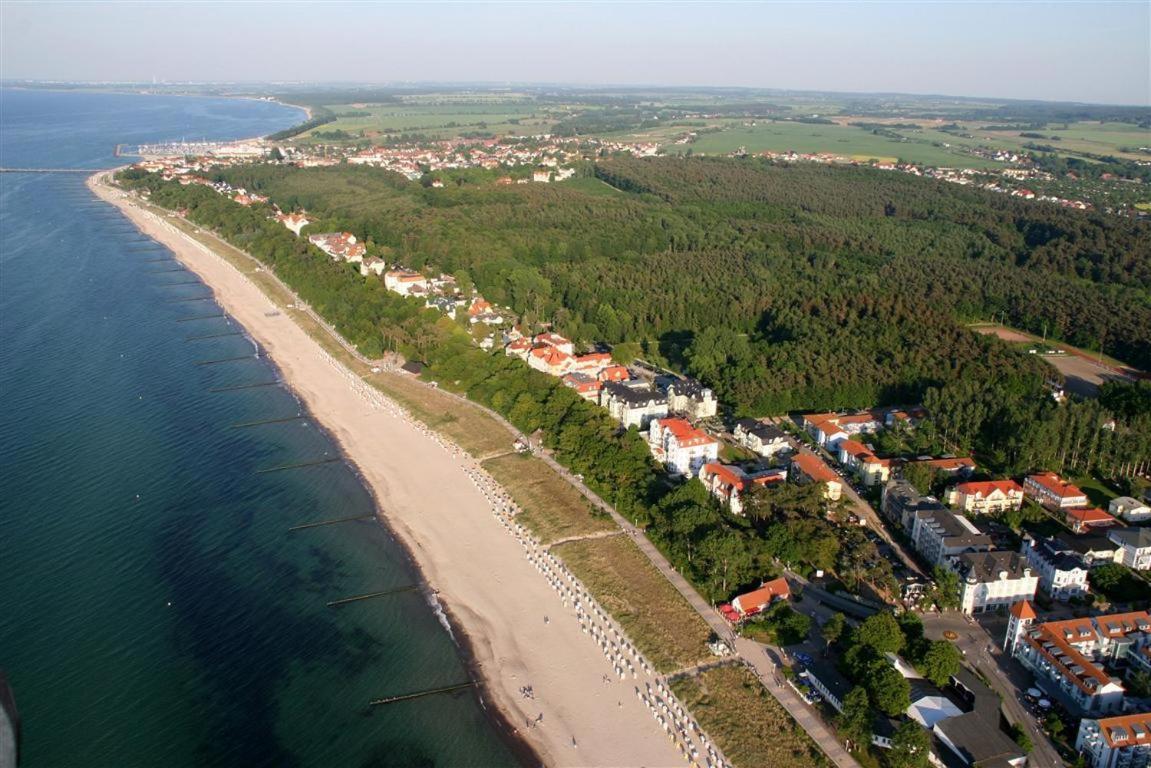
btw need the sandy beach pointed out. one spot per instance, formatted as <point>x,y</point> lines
<point>526,621</point>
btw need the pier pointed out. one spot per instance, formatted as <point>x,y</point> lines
<point>420,694</point>
<point>86,171</point>
<point>370,595</point>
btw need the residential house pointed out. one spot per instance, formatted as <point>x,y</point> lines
<point>592,363</point>
<point>950,466</point>
<point>340,245</point>
<point>543,175</point>
<point>614,373</point>
<point>1134,547</point>
<point>1070,658</point>
<point>900,502</point>
<point>405,282</point>
<point>809,468</point>
<point>1062,573</point>
<point>557,341</point>
<point>829,428</point>
<point>986,498</point>
<point>1095,549</point>
<point>858,458</point>
<point>550,360</point>
<point>1051,491</point>
<point>1080,519</point>
<point>520,348</point>
<point>990,580</point>
<point>688,396</point>
<point>682,447</point>
<point>294,221</point>
<point>765,439</point>
<point>1130,509</point>
<point>372,266</point>
<point>1116,742</point>
<point>728,482</point>
<point>757,600</point>
<point>633,404</point>
<point>938,534</point>
<point>587,387</point>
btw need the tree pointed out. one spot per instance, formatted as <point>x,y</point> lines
<point>946,589</point>
<point>1021,738</point>
<point>889,690</point>
<point>941,661</point>
<point>881,633</point>
<point>910,746</point>
<point>832,629</point>
<point>855,722</point>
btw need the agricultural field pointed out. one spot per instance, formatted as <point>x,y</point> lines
<point>436,121</point>
<point>848,141</point>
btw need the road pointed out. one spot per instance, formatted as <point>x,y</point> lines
<point>1007,677</point>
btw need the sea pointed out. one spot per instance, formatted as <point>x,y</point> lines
<point>164,594</point>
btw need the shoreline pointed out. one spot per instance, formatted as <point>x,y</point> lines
<point>488,587</point>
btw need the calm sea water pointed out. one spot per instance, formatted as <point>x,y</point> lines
<point>155,608</point>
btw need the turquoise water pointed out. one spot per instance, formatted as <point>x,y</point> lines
<point>155,608</point>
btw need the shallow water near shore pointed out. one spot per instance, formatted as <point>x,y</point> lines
<point>155,607</point>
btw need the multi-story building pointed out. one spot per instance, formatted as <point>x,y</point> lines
<point>1051,491</point>
<point>986,498</point>
<point>688,396</point>
<point>1130,509</point>
<point>1116,742</point>
<point>857,457</point>
<point>829,428</point>
<point>939,534</point>
<point>991,580</point>
<point>682,447</point>
<point>1069,658</point>
<point>1134,547</point>
<point>900,502</point>
<point>633,404</point>
<point>809,468</point>
<point>765,439</point>
<point>728,482</point>
<point>1080,519</point>
<point>1062,573</point>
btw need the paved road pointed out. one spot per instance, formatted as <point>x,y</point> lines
<point>1008,678</point>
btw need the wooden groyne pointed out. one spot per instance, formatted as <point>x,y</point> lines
<point>228,360</point>
<point>420,694</point>
<point>320,523</point>
<point>244,386</point>
<point>300,465</point>
<point>261,422</point>
<point>200,317</point>
<point>213,335</point>
<point>370,595</point>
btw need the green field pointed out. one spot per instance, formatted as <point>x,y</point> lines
<point>848,141</point>
<point>437,120</point>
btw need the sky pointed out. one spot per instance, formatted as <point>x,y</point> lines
<point>1096,51</point>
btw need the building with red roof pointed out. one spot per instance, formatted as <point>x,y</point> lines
<point>757,600</point>
<point>550,360</point>
<point>809,468</point>
<point>986,498</point>
<point>728,482</point>
<point>1116,742</point>
<point>1081,519</point>
<point>1053,492</point>
<point>681,446</point>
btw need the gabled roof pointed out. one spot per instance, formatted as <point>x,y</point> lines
<point>1023,610</point>
<point>988,487</point>
<point>1090,516</point>
<point>814,468</point>
<point>1055,484</point>
<point>1126,730</point>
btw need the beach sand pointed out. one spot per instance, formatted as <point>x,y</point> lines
<point>479,570</point>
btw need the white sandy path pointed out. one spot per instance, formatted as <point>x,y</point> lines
<point>480,571</point>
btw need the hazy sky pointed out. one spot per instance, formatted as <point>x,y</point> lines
<point>1096,51</point>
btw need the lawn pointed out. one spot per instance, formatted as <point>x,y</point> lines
<point>745,721</point>
<point>552,508</point>
<point>1098,494</point>
<point>656,617</point>
<point>435,120</point>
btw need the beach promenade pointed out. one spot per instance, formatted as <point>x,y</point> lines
<point>564,675</point>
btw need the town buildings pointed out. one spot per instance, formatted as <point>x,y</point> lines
<point>1051,491</point>
<point>728,482</point>
<point>682,447</point>
<point>986,498</point>
<point>809,468</point>
<point>938,534</point>
<point>1062,573</point>
<point>858,458</point>
<point>405,282</point>
<point>689,397</point>
<point>757,600</point>
<point>829,429</point>
<point>765,439</point>
<point>1134,547</point>
<point>1081,519</point>
<point>633,404</point>
<point>340,245</point>
<point>991,580</point>
<point>1116,742</point>
<point>1130,510</point>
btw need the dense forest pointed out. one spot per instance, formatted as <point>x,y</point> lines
<point>823,296</point>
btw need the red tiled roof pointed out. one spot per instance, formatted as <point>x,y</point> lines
<point>1023,610</point>
<point>1120,731</point>
<point>757,599</point>
<point>1054,483</point>
<point>986,488</point>
<point>1089,516</point>
<point>684,433</point>
<point>814,468</point>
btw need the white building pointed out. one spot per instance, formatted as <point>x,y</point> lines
<point>633,404</point>
<point>1131,510</point>
<point>1116,742</point>
<point>689,397</point>
<point>1051,491</point>
<point>1134,547</point>
<point>990,580</point>
<point>986,498</point>
<point>939,534</point>
<point>681,446</point>
<point>405,282</point>
<point>1062,574</point>
<point>765,439</point>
